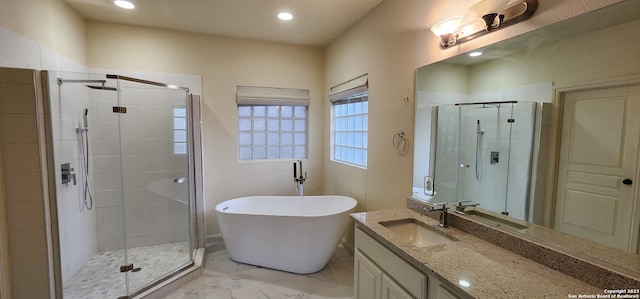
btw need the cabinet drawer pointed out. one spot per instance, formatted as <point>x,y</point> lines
<point>412,280</point>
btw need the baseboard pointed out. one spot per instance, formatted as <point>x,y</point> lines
<point>217,238</point>
<point>347,245</point>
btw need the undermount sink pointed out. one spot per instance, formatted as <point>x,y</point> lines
<point>494,220</point>
<point>417,233</point>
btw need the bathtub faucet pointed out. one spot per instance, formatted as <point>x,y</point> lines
<point>299,179</point>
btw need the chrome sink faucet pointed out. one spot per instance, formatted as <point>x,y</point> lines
<point>444,216</point>
<point>462,205</point>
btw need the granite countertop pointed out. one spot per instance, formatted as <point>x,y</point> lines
<point>491,271</point>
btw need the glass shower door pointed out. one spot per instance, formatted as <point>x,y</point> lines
<point>155,150</point>
<point>520,159</point>
<point>446,153</point>
<point>89,210</point>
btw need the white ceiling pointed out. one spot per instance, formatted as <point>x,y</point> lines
<point>315,23</point>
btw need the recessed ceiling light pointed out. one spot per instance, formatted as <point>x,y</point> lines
<point>124,4</point>
<point>475,54</point>
<point>285,16</point>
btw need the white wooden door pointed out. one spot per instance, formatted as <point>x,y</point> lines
<point>598,165</point>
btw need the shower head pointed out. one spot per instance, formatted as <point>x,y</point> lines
<point>102,87</point>
<point>486,105</point>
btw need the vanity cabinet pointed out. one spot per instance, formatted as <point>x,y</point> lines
<point>381,274</point>
<point>372,282</point>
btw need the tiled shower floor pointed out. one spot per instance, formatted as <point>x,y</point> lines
<point>100,278</point>
<point>223,278</point>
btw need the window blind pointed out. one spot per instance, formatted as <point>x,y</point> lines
<point>252,95</point>
<point>353,88</point>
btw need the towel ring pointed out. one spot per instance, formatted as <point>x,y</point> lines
<point>400,142</point>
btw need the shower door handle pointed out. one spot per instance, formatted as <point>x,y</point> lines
<point>179,180</point>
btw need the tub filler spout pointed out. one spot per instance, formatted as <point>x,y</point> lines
<point>299,180</point>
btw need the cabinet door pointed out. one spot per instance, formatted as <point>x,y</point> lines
<point>391,290</point>
<point>368,278</point>
<point>409,278</point>
<point>438,291</point>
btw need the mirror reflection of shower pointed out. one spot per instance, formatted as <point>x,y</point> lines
<point>470,138</point>
<point>479,134</point>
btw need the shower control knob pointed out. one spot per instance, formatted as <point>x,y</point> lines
<point>627,181</point>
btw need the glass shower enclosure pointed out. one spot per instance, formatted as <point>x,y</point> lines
<point>484,154</point>
<point>124,193</point>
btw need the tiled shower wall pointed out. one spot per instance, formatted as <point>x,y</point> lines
<point>76,223</point>
<point>24,194</point>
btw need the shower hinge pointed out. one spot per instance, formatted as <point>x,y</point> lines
<point>118,109</point>
<point>511,120</point>
<point>126,268</point>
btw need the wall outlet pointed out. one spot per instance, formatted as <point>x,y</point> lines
<point>428,185</point>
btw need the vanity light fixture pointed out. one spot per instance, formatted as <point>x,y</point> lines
<point>475,54</point>
<point>124,4</point>
<point>446,30</point>
<point>484,17</point>
<point>488,11</point>
<point>285,16</point>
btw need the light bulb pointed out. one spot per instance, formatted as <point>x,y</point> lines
<point>124,4</point>
<point>285,16</point>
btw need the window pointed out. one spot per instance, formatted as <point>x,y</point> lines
<point>179,131</point>
<point>350,122</point>
<point>272,123</point>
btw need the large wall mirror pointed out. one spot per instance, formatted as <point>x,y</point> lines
<point>543,129</point>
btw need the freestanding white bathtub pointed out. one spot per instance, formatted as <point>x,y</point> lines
<point>290,233</point>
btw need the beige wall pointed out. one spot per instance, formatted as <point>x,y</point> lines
<point>389,43</point>
<point>224,63</point>
<point>50,23</point>
<point>383,45</point>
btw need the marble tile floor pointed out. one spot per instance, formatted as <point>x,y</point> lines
<point>100,278</point>
<point>223,278</point>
